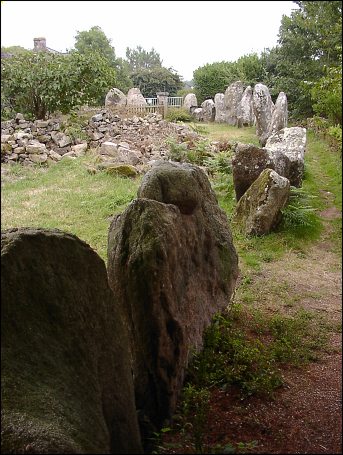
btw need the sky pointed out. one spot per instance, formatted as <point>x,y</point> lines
<point>186,34</point>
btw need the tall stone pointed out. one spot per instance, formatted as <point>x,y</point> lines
<point>135,97</point>
<point>208,111</point>
<point>66,381</point>
<point>172,264</point>
<point>280,115</point>
<point>263,108</point>
<point>115,97</point>
<point>232,97</point>
<point>219,108</point>
<point>190,102</point>
<point>245,112</point>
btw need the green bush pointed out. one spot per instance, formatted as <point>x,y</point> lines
<point>179,115</point>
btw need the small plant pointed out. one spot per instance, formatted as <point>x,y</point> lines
<point>177,151</point>
<point>297,212</point>
<point>219,163</point>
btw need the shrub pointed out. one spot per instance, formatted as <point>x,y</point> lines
<point>179,115</point>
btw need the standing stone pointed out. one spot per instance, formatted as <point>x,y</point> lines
<point>172,264</point>
<point>245,112</point>
<point>259,209</point>
<point>66,381</point>
<point>135,97</point>
<point>115,97</point>
<point>219,108</point>
<point>190,102</point>
<point>291,142</point>
<point>263,107</point>
<point>232,97</point>
<point>208,111</point>
<point>198,114</point>
<point>280,115</point>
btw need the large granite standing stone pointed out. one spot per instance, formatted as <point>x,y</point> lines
<point>280,115</point>
<point>290,142</point>
<point>135,98</point>
<point>232,97</point>
<point>263,107</point>
<point>208,111</point>
<point>259,209</point>
<point>247,164</point>
<point>190,102</point>
<point>245,112</point>
<point>66,382</point>
<point>173,265</point>
<point>115,97</point>
<point>219,108</point>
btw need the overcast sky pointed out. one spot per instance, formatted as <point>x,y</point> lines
<point>186,34</point>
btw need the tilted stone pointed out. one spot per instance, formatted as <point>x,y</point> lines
<point>65,360</point>
<point>135,97</point>
<point>173,265</point>
<point>259,209</point>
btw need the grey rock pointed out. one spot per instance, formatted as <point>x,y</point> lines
<point>245,112</point>
<point>135,97</point>
<point>263,107</point>
<point>219,108</point>
<point>208,111</point>
<point>280,115</point>
<point>190,102</point>
<point>232,97</point>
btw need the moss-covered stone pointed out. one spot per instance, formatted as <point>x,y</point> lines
<point>66,381</point>
<point>124,170</point>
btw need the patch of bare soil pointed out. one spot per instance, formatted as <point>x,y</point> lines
<point>305,414</point>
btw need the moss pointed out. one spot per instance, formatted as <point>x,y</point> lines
<point>124,170</point>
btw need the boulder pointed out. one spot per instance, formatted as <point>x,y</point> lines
<point>263,108</point>
<point>208,111</point>
<point>247,164</point>
<point>65,360</point>
<point>259,209</point>
<point>135,97</point>
<point>115,97</point>
<point>36,148</point>
<point>219,108</point>
<point>290,142</point>
<point>190,102</point>
<point>173,265</point>
<point>245,112</point>
<point>198,114</point>
<point>232,97</point>
<point>280,115</point>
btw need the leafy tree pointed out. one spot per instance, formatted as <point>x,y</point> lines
<point>250,69</point>
<point>308,41</point>
<point>39,84</point>
<point>139,59</point>
<point>14,50</point>
<point>213,78</point>
<point>158,79</point>
<point>95,40</point>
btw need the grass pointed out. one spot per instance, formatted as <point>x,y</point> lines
<point>67,197</point>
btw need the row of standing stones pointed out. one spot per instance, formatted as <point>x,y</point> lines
<point>93,359</point>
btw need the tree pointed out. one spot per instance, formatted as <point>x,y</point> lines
<point>95,40</point>
<point>38,84</point>
<point>158,79</point>
<point>213,78</point>
<point>139,59</point>
<point>308,42</point>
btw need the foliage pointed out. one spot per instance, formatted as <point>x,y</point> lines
<point>41,83</point>
<point>95,40</point>
<point>139,59</point>
<point>189,151</point>
<point>327,95</point>
<point>219,163</point>
<point>213,78</point>
<point>14,50</point>
<point>179,115</point>
<point>297,213</point>
<point>156,79</point>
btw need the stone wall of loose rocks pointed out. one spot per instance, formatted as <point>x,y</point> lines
<point>135,140</point>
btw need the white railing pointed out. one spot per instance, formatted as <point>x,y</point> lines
<point>175,101</point>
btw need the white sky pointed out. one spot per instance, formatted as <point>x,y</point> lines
<point>186,34</point>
